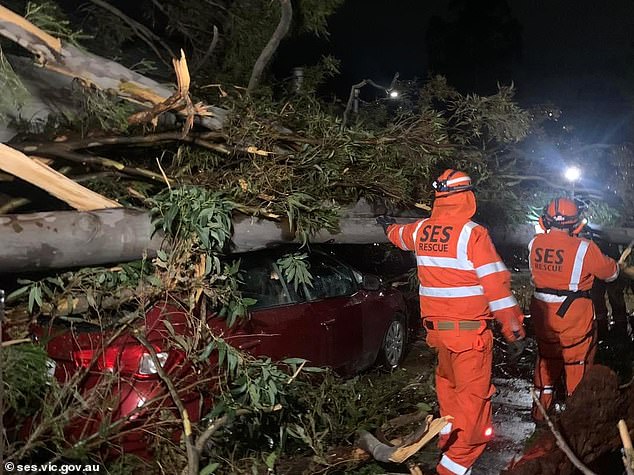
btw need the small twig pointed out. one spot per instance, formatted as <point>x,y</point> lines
<point>214,427</point>
<point>221,421</point>
<point>561,443</point>
<point>13,204</point>
<point>193,456</point>
<point>6,344</point>
<point>167,182</point>
<point>628,450</point>
<point>208,53</point>
<point>628,384</point>
<point>292,378</point>
<point>356,87</point>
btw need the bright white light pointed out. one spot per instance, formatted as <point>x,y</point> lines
<point>393,94</point>
<point>572,173</point>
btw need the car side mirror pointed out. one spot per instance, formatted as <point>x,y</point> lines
<point>371,282</point>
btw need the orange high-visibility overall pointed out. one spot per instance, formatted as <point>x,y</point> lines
<point>463,286</point>
<point>565,265</point>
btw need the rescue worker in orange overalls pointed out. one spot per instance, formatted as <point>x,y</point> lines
<point>463,286</point>
<point>563,268</point>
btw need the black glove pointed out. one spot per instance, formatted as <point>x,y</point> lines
<point>385,221</point>
<point>515,349</point>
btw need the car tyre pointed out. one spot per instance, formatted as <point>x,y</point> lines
<point>394,344</point>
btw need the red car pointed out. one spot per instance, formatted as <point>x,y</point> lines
<point>345,320</point>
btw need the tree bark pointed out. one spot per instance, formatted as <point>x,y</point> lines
<point>61,239</point>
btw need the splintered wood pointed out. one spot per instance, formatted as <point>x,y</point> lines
<point>403,448</point>
<point>41,175</point>
<point>180,101</point>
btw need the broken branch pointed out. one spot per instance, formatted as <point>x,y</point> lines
<point>561,443</point>
<point>408,446</point>
<point>16,163</point>
<point>628,450</point>
<point>270,48</point>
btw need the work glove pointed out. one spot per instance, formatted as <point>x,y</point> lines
<point>385,221</point>
<point>515,349</point>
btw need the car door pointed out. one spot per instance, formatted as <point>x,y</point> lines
<point>281,323</point>
<point>337,304</point>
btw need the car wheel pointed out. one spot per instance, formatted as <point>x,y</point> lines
<point>393,347</point>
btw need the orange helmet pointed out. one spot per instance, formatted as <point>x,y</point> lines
<point>562,213</point>
<point>450,182</point>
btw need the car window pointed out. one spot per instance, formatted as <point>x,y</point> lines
<point>330,278</point>
<point>260,279</point>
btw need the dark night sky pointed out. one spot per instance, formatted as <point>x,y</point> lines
<point>578,54</point>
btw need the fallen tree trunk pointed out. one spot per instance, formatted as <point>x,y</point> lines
<point>520,235</point>
<point>61,239</point>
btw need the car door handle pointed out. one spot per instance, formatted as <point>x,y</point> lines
<point>327,323</point>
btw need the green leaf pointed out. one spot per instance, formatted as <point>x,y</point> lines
<point>294,361</point>
<point>270,460</point>
<point>222,350</point>
<point>210,468</point>
<point>169,326</point>
<point>38,296</point>
<point>17,293</point>
<point>207,351</point>
<point>31,299</point>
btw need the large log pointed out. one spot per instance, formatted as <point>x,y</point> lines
<point>61,239</point>
<point>520,235</point>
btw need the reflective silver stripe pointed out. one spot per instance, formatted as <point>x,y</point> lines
<point>463,242</point>
<point>613,277</point>
<point>400,236</point>
<point>544,390</point>
<point>447,429</point>
<point>453,466</point>
<point>488,269</point>
<point>500,304</point>
<point>416,232</point>
<point>575,277</point>
<point>451,292</point>
<point>447,262</point>
<point>453,181</point>
<point>548,297</point>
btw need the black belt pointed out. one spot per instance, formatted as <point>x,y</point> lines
<point>571,296</point>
